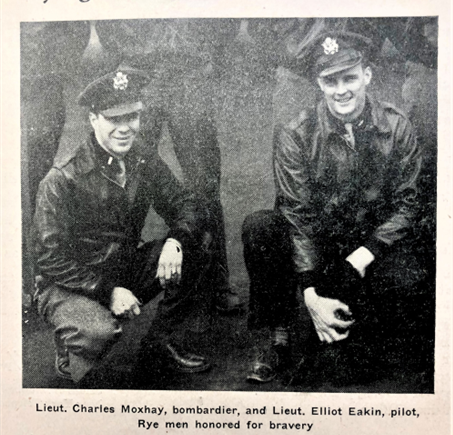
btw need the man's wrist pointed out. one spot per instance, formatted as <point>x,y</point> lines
<point>360,259</point>
<point>174,242</point>
<point>309,293</point>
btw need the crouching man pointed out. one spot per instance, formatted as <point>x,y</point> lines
<point>343,232</point>
<point>90,211</point>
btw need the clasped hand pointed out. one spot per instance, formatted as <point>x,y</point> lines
<point>323,313</point>
<point>123,303</point>
<point>170,263</point>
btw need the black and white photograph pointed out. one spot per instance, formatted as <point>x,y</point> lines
<point>229,204</point>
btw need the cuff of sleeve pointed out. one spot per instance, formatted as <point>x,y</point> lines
<point>376,247</point>
<point>186,240</point>
<point>104,291</point>
<point>307,279</point>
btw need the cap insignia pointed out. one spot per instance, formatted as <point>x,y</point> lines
<point>120,81</point>
<point>330,46</point>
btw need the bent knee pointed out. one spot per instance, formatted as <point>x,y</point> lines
<point>95,338</point>
<point>256,224</point>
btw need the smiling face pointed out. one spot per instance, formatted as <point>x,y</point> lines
<point>345,91</point>
<point>116,134</point>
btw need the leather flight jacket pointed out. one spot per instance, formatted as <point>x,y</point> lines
<point>87,227</point>
<point>337,197</point>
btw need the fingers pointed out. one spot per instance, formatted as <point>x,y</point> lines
<point>343,324</point>
<point>330,335</point>
<point>337,336</point>
<point>178,273</point>
<point>128,310</point>
<point>324,337</point>
<point>161,275</point>
<point>169,274</point>
<point>327,331</point>
<point>343,307</point>
<point>328,338</point>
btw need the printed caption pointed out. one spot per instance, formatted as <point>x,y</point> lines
<point>272,417</point>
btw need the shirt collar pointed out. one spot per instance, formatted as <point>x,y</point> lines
<point>372,118</point>
<point>105,159</point>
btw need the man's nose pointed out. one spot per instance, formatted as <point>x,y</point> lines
<point>123,128</point>
<point>341,88</point>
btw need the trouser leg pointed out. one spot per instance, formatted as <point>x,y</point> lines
<point>183,99</point>
<point>393,330</point>
<point>87,329</point>
<point>267,255</point>
<point>182,303</point>
<point>82,325</point>
<point>195,137</point>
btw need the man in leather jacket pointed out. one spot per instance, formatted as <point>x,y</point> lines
<point>90,211</point>
<point>343,231</point>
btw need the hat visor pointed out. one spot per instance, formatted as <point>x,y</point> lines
<point>340,67</point>
<point>122,109</point>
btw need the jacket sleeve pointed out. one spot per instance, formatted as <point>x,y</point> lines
<point>184,215</point>
<point>294,200</point>
<point>53,244</point>
<point>404,190</point>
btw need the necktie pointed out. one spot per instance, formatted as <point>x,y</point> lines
<point>349,136</point>
<point>121,174</point>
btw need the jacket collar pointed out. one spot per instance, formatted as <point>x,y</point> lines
<point>103,158</point>
<point>91,155</point>
<point>373,119</point>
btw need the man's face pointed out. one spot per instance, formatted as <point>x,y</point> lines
<point>116,134</point>
<point>345,91</point>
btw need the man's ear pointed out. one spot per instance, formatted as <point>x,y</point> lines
<point>93,118</point>
<point>320,83</point>
<point>368,75</point>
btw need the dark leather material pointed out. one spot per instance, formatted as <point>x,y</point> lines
<point>264,368</point>
<point>333,196</point>
<point>184,362</point>
<point>86,225</point>
<point>156,356</point>
<point>261,373</point>
<point>62,366</point>
<point>339,280</point>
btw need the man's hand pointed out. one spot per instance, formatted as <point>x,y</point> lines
<point>323,313</point>
<point>123,303</point>
<point>170,263</point>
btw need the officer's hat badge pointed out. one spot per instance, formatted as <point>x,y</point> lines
<point>330,46</point>
<point>120,81</point>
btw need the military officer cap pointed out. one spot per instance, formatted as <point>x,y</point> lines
<point>332,52</point>
<point>115,94</point>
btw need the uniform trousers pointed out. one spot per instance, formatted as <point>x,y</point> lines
<point>393,323</point>
<point>87,329</point>
<point>182,98</point>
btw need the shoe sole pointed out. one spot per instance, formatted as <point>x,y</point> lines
<point>61,374</point>
<point>201,369</point>
<point>237,309</point>
<point>255,379</point>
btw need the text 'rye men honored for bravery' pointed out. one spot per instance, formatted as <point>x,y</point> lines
<point>94,272</point>
<point>343,232</point>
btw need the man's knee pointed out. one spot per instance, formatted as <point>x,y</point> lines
<point>257,226</point>
<point>93,339</point>
<point>84,325</point>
